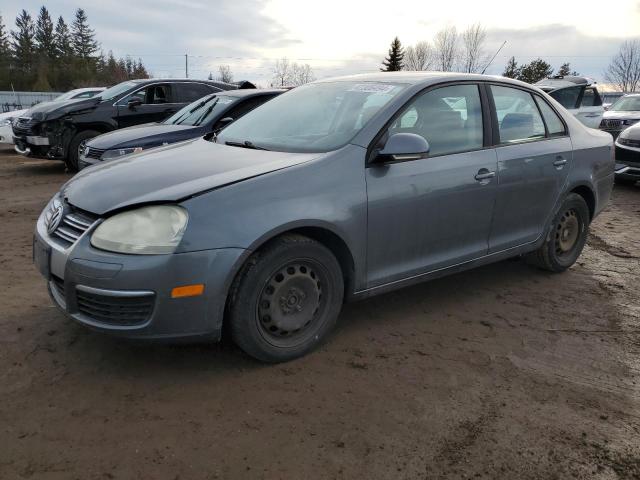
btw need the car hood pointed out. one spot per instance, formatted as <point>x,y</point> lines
<point>613,114</point>
<point>12,114</point>
<point>53,110</point>
<point>170,174</point>
<point>146,135</point>
<point>632,133</point>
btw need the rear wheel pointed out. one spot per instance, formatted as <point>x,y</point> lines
<point>566,238</point>
<point>77,144</point>
<point>286,299</point>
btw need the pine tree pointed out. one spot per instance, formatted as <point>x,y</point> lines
<point>393,62</point>
<point>23,46</point>
<point>565,69</point>
<point>45,38</point>
<point>535,71</point>
<point>82,37</point>
<point>62,39</point>
<point>5,57</point>
<point>512,70</point>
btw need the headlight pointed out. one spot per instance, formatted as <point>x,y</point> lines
<point>630,121</point>
<point>119,152</point>
<point>152,230</point>
<point>6,122</point>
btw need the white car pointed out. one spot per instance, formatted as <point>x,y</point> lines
<point>6,133</point>
<point>578,95</point>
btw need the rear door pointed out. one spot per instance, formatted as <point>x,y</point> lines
<point>430,213</point>
<point>534,154</point>
<point>158,102</point>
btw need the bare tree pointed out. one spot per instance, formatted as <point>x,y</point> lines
<point>225,74</point>
<point>281,72</point>
<point>445,46</point>
<point>286,73</point>
<point>624,69</point>
<point>418,57</point>
<point>472,56</point>
<point>301,74</point>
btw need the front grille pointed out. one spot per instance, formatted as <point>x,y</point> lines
<point>627,156</point>
<point>73,224</point>
<point>610,123</point>
<point>115,310</point>
<point>24,126</point>
<point>95,153</point>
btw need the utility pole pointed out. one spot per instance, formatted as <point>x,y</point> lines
<point>186,65</point>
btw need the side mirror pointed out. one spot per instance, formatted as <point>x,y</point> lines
<point>223,122</point>
<point>402,147</point>
<point>133,103</point>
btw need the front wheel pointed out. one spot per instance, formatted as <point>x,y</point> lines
<point>77,143</point>
<point>286,299</point>
<point>566,238</point>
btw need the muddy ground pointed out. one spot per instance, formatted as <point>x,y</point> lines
<point>504,372</point>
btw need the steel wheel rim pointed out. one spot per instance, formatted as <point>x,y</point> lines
<point>567,232</point>
<point>292,302</point>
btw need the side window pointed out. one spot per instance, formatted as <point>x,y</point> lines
<point>449,118</point>
<point>554,124</point>
<point>190,92</point>
<point>567,97</point>
<point>151,95</point>
<point>518,116</point>
<point>590,98</point>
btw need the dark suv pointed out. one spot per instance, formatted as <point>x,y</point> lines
<point>55,130</point>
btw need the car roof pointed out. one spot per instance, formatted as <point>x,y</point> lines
<point>142,81</point>
<point>250,92</point>
<point>423,78</point>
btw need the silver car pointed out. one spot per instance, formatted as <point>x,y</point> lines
<point>337,190</point>
<point>628,156</point>
<point>621,115</point>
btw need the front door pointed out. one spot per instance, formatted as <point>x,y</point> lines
<point>157,103</point>
<point>534,157</point>
<point>434,212</point>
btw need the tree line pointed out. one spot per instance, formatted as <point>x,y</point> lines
<point>451,51</point>
<point>41,55</point>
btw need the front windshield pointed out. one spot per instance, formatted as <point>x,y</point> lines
<point>200,111</point>
<point>318,117</point>
<point>64,96</point>
<point>113,92</point>
<point>626,104</point>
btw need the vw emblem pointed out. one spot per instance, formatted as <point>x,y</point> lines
<point>56,218</point>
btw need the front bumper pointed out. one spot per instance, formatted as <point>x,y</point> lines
<point>130,295</point>
<point>6,135</point>
<point>627,162</point>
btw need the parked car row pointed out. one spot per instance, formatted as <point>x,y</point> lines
<point>336,190</point>
<point>6,119</point>
<point>56,130</point>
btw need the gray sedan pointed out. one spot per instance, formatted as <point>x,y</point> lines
<point>337,190</point>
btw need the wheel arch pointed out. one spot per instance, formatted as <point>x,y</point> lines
<point>587,193</point>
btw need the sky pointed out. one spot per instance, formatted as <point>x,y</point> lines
<point>341,37</point>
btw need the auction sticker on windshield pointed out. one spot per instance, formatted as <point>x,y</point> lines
<point>372,88</point>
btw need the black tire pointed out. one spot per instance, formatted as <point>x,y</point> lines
<point>566,236</point>
<point>625,181</point>
<point>72,154</point>
<point>286,299</point>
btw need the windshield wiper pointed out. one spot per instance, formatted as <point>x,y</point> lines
<point>245,144</point>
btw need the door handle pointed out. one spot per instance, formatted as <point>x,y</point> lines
<point>484,174</point>
<point>560,162</point>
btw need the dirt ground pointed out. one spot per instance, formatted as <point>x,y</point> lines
<point>504,372</point>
